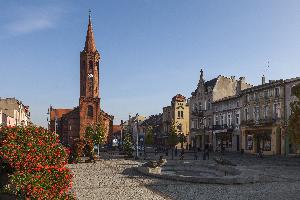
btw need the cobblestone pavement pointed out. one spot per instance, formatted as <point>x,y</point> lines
<point>115,179</point>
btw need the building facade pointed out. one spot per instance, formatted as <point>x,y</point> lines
<point>201,106</point>
<point>177,113</point>
<point>14,112</point>
<point>262,124</point>
<point>226,123</point>
<point>72,123</point>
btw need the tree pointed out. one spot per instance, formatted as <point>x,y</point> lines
<point>181,139</point>
<point>294,119</point>
<point>172,137</point>
<point>99,133</point>
<point>127,143</point>
<point>149,135</point>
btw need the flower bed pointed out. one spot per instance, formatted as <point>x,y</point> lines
<point>38,161</point>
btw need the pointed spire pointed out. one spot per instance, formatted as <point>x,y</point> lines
<point>90,45</point>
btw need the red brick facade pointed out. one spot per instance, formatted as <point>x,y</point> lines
<point>72,123</point>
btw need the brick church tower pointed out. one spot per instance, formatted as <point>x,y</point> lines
<point>89,101</point>
<point>71,124</point>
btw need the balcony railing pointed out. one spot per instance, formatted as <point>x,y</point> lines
<point>198,113</point>
<point>221,127</point>
<point>260,121</point>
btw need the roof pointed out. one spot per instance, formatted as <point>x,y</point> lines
<point>116,128</point>
<point>263,86</point>
<point>58,113</point>
<point>211,83</point>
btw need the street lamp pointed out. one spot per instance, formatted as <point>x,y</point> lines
<point>137,135</point>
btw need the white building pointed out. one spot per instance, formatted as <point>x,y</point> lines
<point>16,113</point>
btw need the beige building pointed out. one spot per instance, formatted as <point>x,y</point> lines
<point>177,112</point>
<point>262,124</point>
<point>202,113</point>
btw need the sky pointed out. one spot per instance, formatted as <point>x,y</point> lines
<point>150,50</point>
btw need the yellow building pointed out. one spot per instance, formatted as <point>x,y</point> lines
<point>177,112</point>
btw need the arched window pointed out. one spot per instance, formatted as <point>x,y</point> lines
<point>91,66</point>
<point>90,111</point>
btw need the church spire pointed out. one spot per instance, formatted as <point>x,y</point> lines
<point>90,45</point>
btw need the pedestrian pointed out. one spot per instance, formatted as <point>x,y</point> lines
<point>176,151</point>
<point>181,154</point>
<point>206,152</point>
<point>195,155</point>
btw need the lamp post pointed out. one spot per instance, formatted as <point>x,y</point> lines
<point>137,135</point>
<point>121,138</point>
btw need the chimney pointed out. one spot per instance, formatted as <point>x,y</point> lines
<point>263,79</point>
<point>239,84</point>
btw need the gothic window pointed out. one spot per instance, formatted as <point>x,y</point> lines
<point>90,111</point>
<point>91,65</point>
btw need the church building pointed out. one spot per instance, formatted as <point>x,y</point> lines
<point>71,124</point>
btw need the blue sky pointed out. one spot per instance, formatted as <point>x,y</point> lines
<point>150,49</point>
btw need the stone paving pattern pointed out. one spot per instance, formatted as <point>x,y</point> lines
<point>116,179</point>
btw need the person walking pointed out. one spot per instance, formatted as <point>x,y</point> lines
<point>206,152</point>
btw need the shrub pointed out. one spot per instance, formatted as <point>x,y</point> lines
<point>39,162</point>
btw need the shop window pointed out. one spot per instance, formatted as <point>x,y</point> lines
<point>249,142</point>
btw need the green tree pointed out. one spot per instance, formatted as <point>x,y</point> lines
<point>127,143</point>
<point>99,133</point>
<point>172,137</point>
<point>294,119</point>
<point>181,139</point>
<point>149,135</point>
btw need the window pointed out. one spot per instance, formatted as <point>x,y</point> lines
<point>179,127</point>
<point>246,114</point>
<point>178,113</point>
<point>205,105</point>
<point>209,104</point>
<point>195,107</point>
<point>277,92</point>
<point>237,104</point>
<point>90,111</point>
<point>222,119</point>
<point>237,119</point>
<point>216,120</point>
<point>229,119</point>
<point>181,114</point>
<point>256,113</point>
<point>265,111</point>
<point>200,106</point>
<point>91,66</point>
<point>247,98</point>
<point>266,95</point>
<point>276,110</point>
<point>256,96</point>
<point>209,121</point>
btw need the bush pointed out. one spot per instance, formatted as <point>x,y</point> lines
<point>38,161</point>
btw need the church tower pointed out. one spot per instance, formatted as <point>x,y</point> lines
<point>89,101</point>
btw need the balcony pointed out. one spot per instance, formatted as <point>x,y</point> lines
<point>224,126</point>
<point>198,113</point>
<point>265,121</point>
